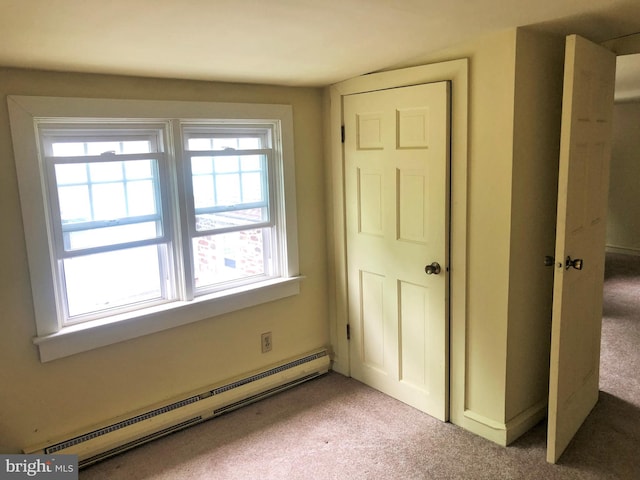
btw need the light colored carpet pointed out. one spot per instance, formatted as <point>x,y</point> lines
<point>337,428</point>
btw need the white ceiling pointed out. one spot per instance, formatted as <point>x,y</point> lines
<point>285,42</point>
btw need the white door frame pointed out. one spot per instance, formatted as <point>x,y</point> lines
<point>455,71</point>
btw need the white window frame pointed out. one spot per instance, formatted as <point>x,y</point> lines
<point>53,132</point>
<point>55,341</point>
<point>274,202</point>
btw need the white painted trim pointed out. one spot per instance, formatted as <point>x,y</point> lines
<point>485,427</point>
<point>622,250</point>
<point>505,433</point>
<point>99,333</point>
<point>456,72</point>
<point>526,420</point>
<point>54,341</point>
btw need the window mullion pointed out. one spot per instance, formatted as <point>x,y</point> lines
<point>110,248</point>
<point>273,185</point>
<point>232,208</point>
<point>106,157</point>
<point>230,152</point>
<point>214,177</point>
<point>184,209</point>
<point>92,225</point>
<point>238,228</point>
<point>168,250</point>
<point>89,191</point>
<point>54,212</point>
<point>125,185</point>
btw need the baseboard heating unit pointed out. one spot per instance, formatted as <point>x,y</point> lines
<point>122,434</point>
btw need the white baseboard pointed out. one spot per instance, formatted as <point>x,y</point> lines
<point>504,433</point>
<point>623,250</point>
<point>522,423</point>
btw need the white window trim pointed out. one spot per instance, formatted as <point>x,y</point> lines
<point>55,342</point>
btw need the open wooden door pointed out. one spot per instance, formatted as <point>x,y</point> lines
<point>585,149</point>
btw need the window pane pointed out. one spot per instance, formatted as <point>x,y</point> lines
<point>222,142</point>
<point>98,148</point>
<point>248,143</point>
<point>232,218</point>
<point>231,256</point>
<point>113,279</point>
<point>71,173</point>
<point>235,182</point>
<point>75,205</point>
<point>138,169</point>
<point>135,146</point>
<point>105,171</point>
<point>105,194</point>
<point>114,204</point>
<point>252,188</point>
<point>203,191</point>
<point>200,165</point>
<point>74,149</point>
<point>228,189</point>
<point>68,149</point>
<point>199,144</point>
<point>252,162</point>
<point>108,201</point>
<point>226,164</point>
<point>140,198</point>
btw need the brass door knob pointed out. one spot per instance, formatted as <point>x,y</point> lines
<point>575,263</point>
<point>433,269</point>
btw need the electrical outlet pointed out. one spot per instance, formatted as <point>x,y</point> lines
<point>266,342</point>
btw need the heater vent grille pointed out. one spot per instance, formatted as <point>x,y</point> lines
<point>260,396</point>
<point>119,425</point>
<point>138,441</point>
<point>268,373</point>
<point>321,364</point>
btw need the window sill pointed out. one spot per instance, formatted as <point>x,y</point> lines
<point>99,333</point>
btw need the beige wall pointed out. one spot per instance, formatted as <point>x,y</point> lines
<point>623,224</point>
<point>39,401</point>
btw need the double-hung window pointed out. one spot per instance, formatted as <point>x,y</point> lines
<point>110,232</point>
<point>136,223</point>
<point>233,229</point>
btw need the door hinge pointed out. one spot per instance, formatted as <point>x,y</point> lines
<point>348,332</point>
<point>342,133</point>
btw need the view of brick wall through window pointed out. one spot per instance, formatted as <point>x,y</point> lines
<point>229,256</point>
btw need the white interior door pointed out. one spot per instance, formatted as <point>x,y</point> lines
<point>585,150</point>
<point>397,211</point>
